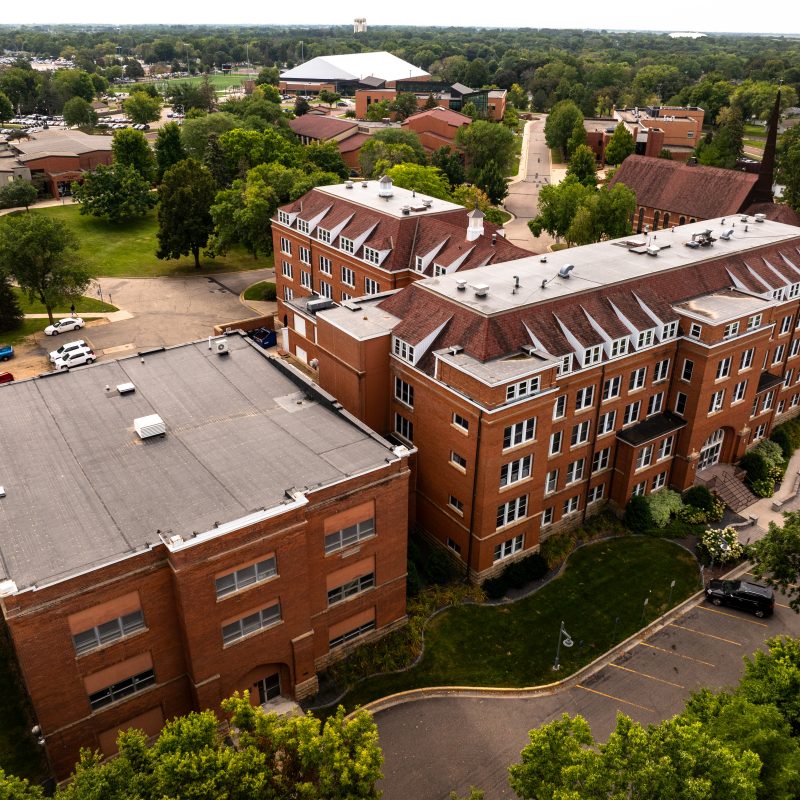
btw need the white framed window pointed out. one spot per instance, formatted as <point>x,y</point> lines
<point>795,401</point>
<point>346,296</point>
<point>619,347</point>
<point>519,432</point>
<point>325,265</point>
<point>371,286</point>
<point>747,359</point>
<point>730,330</point>
<point>560,406</point>
<point>564,365</point>
<point>794,290</point>
<point>288,293</point>
<point>458,460</point>
<point>439,270</point>
<point>403,427</point>
<point>305,279</point>
<point>695,330</point>
<point>659,481</point>
<point>252,623</point>
<point>631,413</point>
<point>525,388</point>
<point>246,576</point>
<point>551,481</point>
<point>795,349</point>
<point>760,432</point>
<point>655,404</point>
<point>556,439</point>
<point>596,493</point>
<point>351,588</point>
<point>284,218</point>
<point>584,398</point>
<point>325,290</point>
<point>419,264</point>
<point>637,379</point>
<point>661,370</point>
<point>688,369</point>
<point>670,330</point>
<point>781,406</point>
<point>403,349</point>
<point>460,422</point>
<point>574,471</point>
<point>288,272</point>
<point>508,548</point>
<point>640,488</point>
<point>606,422</point>
<point>778,356</point>
<point>754,410</point>
<point>600,460</point>
<point>645,338</point>
<point>766,405</point>
<point>515,471</point>
<point>787,378</point>
<point>302,225</point>
<point>547,516</point>
<point>592,355</point>
<point>404,392</point>
<point>571,505</point>
<point>305,254</point>
<point>286,246</point>
<point>456,505</point>
<point>512,511</point>
<point>723,368</point>
<point>611,387</point>
<point>346,245</point>
<point>453,545</point>
<point>786,325</point>
<point>717,401</point>
<point>754,322</point>
<point>580,433</point>
<point>348,277</point>
<point>644,457</point>
<point>324,235</point>
<point>372,256</point>
<point>665,448</point>
<point>680,403</point>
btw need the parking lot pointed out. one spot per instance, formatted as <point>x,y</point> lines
<point>436,745</point>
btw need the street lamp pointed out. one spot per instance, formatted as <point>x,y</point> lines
<point>565,639</point>
<point>644,608</point>
<point>669,602</point>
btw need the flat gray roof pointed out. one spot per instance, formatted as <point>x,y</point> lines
<point>82,489</point>
<point>368,197</point>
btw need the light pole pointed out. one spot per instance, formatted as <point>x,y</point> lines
<point>669,602</point>
<point>564,637</point>
<point>644,608</point>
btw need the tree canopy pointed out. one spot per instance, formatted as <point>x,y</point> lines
<point>131,149</point>
<point>142,108</point>
<point>788,166</point>
<point>116,193</point>
<point>424,180</point>
<point>560,126</point>
<point>620,145</point>
<point>78,111</point>
<point>169,148</point>
<point>776,557</point>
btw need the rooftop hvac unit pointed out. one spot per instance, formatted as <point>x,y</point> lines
<point>348,184</point>
<point>150,426</point>
<point>726,234</point>
<point>759,217</point>
<point>319,304</point>
<point>221,346</point>
<point>653,250</point>
<point>565,270</point>
<point>461,284</point>
<point>126,388</point>
<point>481,289</point>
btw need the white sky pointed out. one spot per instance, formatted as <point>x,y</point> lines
<point>685,15</point>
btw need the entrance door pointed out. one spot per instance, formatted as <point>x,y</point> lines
<point>269,688</point>
<point>712,448</point>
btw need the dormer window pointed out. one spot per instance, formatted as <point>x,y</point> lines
<point>371,255</point>
<point>323,235</point>
<point>419,264</point>
<point>669,331</point>
<point>565,365</point>
<point>438,270</point>
<point>645,338</point>
<point>592,355</point>
<point>522,389</point>
<point>695,330</point>
<point>777,294</point>
<point>302,226</point>
<point>794,290</point>
<point>403,350</point>
<point>754,322</point>
<point>731,330</point>
<point>346,245</point>
<point>284,218</point>
<point>618,348</point>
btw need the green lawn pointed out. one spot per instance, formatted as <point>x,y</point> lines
<point>219,82</point>
<point>128,250</point>
<point>600,598</point>
<point>755,130</point>
<point>83,305</point>
<point>28,328</point>
<point>257,290</point>
<point>758,144</point>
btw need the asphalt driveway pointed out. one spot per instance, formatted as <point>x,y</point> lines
<point>436,745</point>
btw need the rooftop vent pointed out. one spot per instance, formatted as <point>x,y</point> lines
<point>406,210</point>
<point>348,184</point>
<point>480,289</point>
<point>565,270</point>
<point>364,184</point>
<point>726,234</point>
<point>385,188</point>
<point>150,426</point>
<point>653,250</point>
<point>759,217</point>
<point>427,203</point>
<point>461,284</point>
<point>126,388</point>
<point>744,218</point>
<point>455,349</point>
<point>221,347</point>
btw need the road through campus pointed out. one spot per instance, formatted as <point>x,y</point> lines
<point>435,745</point>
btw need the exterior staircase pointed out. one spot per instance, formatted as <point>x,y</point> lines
<point>728,484</point>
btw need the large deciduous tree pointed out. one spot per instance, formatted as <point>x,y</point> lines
<point>6,109</point>
<point>489,153</point>
<point>404,105</point>
<point>169,148</point>
<point>196,132</point>
<point>39,253</point>
<point>142,108</point>
<point>788,166</point>
<point>583,166</point>
<point>18,193</point>
<point>78,111</point>
<point>131,149</point>
<point>184,211</point>
<point>776,557</point>
<point>561,123</point>
<point>116,193</point>
<point>10,311</point>
<point>620,145</point>
<point>726,146</point>
<point>424,180</point>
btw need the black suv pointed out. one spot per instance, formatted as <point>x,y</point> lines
<point>753,597</point>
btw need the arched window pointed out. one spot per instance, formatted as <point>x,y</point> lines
<point>666,219</point>
<point>656,216</point>
<point>641,221</point>
<point>682,221</point>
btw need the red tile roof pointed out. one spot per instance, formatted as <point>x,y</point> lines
<point>688,189</point>
<point>778,212</point>
<point>353,142</point>
<point>321,128</point>
<point>450,117</point>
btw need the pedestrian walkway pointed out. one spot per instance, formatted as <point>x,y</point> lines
<point>764,510</point>
<point>53,201</point>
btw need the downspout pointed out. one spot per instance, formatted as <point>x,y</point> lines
<point>474,494</point>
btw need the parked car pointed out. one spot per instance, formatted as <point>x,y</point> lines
<point>63,325</point>
<point>68,347</point>
<point>6,352</point>
<point>77,358</point>
<point>753,597</point>
<point>264,336</point>
<point>6,377</point>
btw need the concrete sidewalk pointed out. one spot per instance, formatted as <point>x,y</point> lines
<point>111,316</point>
<point>763,510</point>
<point>53,201</point>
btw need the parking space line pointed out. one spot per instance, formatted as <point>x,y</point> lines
<point>612,697</point>
<point>782,605</point>
<point>645,675</point>
<point>679,655</point>
<point>735,616</point>
<point>703,633</point>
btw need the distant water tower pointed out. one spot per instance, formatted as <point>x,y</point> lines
<point>360,25</point>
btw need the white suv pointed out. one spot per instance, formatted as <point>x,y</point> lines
<point>76,358</point>
<point>68,347</point>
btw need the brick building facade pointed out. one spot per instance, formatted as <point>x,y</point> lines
<point>145,578</point>
<point>539,388</point>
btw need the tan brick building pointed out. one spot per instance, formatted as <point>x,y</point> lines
<point>537,389</point>
<point>247,548</point>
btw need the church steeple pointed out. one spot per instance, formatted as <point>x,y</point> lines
<point>762,190</point>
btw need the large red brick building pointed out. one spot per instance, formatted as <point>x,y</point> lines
<point>437,127</point>
<point>145,576</point>
<point>539,388</point>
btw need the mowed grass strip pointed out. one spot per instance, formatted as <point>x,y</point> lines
<point>128,249</point>
<point>83,305</point>
<point>600,597</point>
